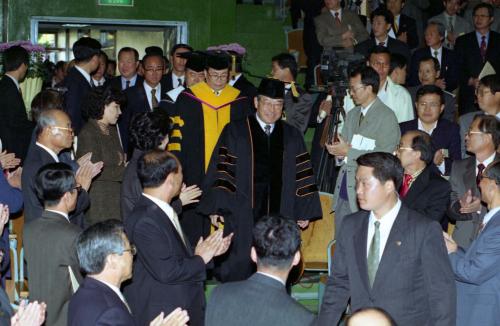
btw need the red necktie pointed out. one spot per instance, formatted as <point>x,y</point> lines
<point>382,44</point>
<point>405,187</point>
<point>480,168</point>
<point>483,47</point>
<point>337,19</point>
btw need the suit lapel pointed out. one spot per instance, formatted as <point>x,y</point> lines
<point>360,241</point>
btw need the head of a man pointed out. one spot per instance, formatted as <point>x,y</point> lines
<point>398,69</point>
<point>429,104</point>
<point>178,61</point>
<point>395,6</point>
<point>217,70</point>
<point>111,68</point>
<point>434,35</point>
<point>159,169</point>
<point>269,102</point>
<point>45,100</point>
<point>56,187</point>
<point>490,185</point>
<point>284,67</point>
<point>150,130</point>
<point>101,69</point>
<point>363,85</point>
<point>380,60</point>
<point>415,150</point>
<point>128,62</point>
<point>276,244</point>
<point>451,7</point>
<point>16,60</point>
<point>104,251</point>
<point>53,130</point>
<point>378,178</point>
<point>370,316</point>
<point>382,20</point>
<point>86,52</point>
<point>60,71</point>
<point>332,4</point>
<point>483,15</point>
<point>428,70</point>
<point>483,136</point>
<point>488,94</point>
<point>195,67</point>
<point>153,65</point>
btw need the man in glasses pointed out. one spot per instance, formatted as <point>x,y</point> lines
<point>466,207</point>
<point>54,134</point>
<point>49,242</point>
<point>201,112</point>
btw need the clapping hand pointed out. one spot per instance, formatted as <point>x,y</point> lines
<point>29,314</point>
<point>340,148</point>
<point>189,194</point>
<point>469,204</point>
<point>8,160</point>
<point>213,245</point>
<point>451,245</point>
<point>178,317</point>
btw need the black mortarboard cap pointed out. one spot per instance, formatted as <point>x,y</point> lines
<point>272,88</point>
<point>196,60</point>
<point>218,60</point>
<point>150,50</point>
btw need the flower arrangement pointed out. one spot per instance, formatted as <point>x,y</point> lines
<point>37,56</point>
<point>234,47</point>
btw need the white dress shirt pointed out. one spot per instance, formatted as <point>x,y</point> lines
<point>233,81</point>
<point>132,81</point>
<point>48,150</point>
<point>175,80</point>
<point>263,125</point>
<point>59,212</point>
<point>169,211</point>
<point>439,53</point>
<point>99,82</point>
<point>339,11</point>
<point>486,162</point>
<point>386,223</point>
<point>148,89</point>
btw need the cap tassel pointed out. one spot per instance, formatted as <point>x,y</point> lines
<point>295,92</point>
<point>233,65</point>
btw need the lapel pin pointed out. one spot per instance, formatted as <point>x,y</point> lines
<point>398,243</point>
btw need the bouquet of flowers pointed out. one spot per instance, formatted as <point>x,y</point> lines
<point>37,54</point>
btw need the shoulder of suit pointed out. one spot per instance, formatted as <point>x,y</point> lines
<point>461,164</point>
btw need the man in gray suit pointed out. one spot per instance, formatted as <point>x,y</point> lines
<point>455,25</point>
<point>339,28</point>
<point>389,256</point>
<point>466,208</point>
<point>262,299</point>
<point>49,242</point>
<point>369,127</point>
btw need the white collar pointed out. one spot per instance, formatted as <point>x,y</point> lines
<point>84,73</point>
<point>377,42</point>
<point>165,207</point>
<point>487,161</point>
<point>273,277</point>
<point>112,287</point>
<point>148,89</point>
<point>59,212</point>
<point>439,50</point>
<point>490,214</point>
<point>421,127</point>
<point>174,76</point>
<point>236,77</point>
<point>389,217</point>
<point>13,79</point>
<point>132,79</point>
<point>96,82</point>
<point>174,93</point>
<point>339,11</point>
<point>263,125</point>
<point>364,111</point>
<point>48,150</point>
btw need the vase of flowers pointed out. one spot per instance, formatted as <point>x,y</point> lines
<point>36,73</point>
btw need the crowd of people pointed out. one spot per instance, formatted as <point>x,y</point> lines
<point>137,188</point>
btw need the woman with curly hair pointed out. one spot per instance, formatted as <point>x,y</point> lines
<point>100,137</point>
<point>149,130</point>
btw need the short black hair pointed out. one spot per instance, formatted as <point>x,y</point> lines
<point>155,166</point>
<point>430,89</point>
<point>489,124</point>
<point>386,167</point>
<point>422,143</point>
<point>369,77</point>
<point>105,56</point>
<point>52,181</point>
<point>492,82</point>
<point>60,65</point>
<point>382,11</point>
<point>493,171</point>
<point>286,60</point>
<point>180,46</point>
<point>397,61</point>
<point>152,55</point>
<point>375,309</point>
<point>85,49</point>
<point>129,49</point>
<point>440,27</point>
<point>14,57</point>
<point>276,241</point>
<point>98,242</point>
<point>379,49</point>
<point>149,129</point>
<point>435,61</point>
<point>45,100</point>
<point>96,100</point>
<point>488,7</point>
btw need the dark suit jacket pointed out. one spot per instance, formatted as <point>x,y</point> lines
<point>166,273</point>
<point>78,88</point>
<point>48,262</point>
<point>471,63</point>
<point>260,300</point>
<point>414,281</point>
<point>166,82</point>
<point>246,88</point>
<point>393,45</point>
<point>116,82</point>
<point>408,25</point>
<point>449,67</point>
<point>429,195</point>
<point>15,128</point>
<point>445,136</point>
<point>33,208</point>
<point>95,303</point>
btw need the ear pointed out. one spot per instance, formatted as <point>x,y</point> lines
<point>296,258</point>
<point>389,186</point>
<point>442,108</point>
<point>253,254</point>
<point>255,101</point>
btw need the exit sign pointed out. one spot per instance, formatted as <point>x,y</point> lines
<point>129,3</point>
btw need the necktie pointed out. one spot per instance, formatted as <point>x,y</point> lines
<point>405,187</point>
<point>381,43</point>
<point>177,225</point>
<point>450,24</point>
<point>480,168</point>
<point>373,254</point>
<point>436,52</point>
<point>154,100</point>
<point>396,27</point>
<point>179,82</point>
<point>127,84</point>
<point>267,130</point>
<point>361,117</point>
<point>337,18</point>
<point>483,47</point>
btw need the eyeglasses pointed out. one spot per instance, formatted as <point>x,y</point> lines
<point>132,250</point>
<point>219,77</point>
<point>154,69</point>
<point>355,89</point>
<point>402,148</point>
<point>69,130</point>
<point>482,92</point>
<point>470,132</point>
<point>432,105</point>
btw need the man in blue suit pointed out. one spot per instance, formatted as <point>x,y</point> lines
<point>106,255</point>
<point>476,269</point>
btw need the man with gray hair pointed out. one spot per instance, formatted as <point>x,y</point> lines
<point>54,134</point>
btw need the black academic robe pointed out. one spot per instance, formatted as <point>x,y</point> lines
<point>247,88</point>
<point>187,142</point>
<point>229,188</point>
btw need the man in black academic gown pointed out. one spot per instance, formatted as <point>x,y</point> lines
<point>238,80</point>
<point>260,167</point>
<point>201,112</point>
